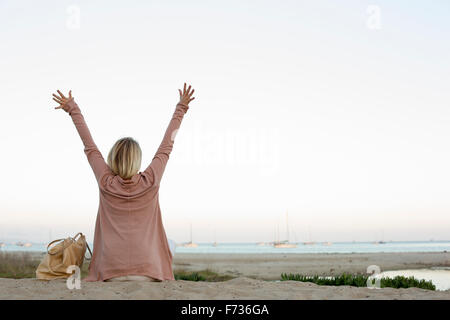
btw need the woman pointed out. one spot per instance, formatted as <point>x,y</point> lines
<point>129,240</point>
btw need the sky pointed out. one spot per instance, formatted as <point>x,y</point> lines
<point>334,113</point>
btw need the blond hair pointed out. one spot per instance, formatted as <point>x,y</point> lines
<point>124,158</point>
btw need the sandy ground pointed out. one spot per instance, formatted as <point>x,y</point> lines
<point>245,287</point>
<point>270,266</point>
<point>239,288</point>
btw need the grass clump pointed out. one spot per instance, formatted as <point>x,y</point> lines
<point>17,265</point>
<point>22,265</point>
<point>193,276</point>
<point>359,280</point>
<point>407,282</point>
<point>203,275</point>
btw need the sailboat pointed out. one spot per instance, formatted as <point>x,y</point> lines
<point>380,241</point>
<point>215,242</point>
<point>309,243</point>
<point>22,244</point>
<point>190,244</point>
<point>285,243</point>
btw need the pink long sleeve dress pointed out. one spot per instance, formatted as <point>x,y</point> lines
<point>129,234</point>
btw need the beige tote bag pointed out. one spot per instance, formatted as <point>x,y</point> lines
<point>67,252</point>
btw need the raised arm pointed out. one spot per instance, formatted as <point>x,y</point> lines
<point>94,156</point>
<point>158,164</point>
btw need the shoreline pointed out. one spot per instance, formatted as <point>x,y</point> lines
<point>270,266</point>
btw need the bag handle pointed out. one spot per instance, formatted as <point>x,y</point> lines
<point>78,234</point>
<point>72,241</point>
<point>49,264</point>
<point>61,249</point>
<point>87,246</point>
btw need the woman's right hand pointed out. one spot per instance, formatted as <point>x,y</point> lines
<point>62,100</point>
<point>185,96</point>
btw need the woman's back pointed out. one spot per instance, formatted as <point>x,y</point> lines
<point>129,235</point>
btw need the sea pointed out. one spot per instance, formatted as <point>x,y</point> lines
<point>319,247</point>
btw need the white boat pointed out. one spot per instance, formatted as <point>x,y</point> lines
<point>285,243</point>
<point>382,237</point>
<point>2,244</point>
<point>309,242</point>
<point>190,244</point>
<point>215,244</point>
<point>22,244</point>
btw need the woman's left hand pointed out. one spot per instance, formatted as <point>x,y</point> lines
<point>62,100</point>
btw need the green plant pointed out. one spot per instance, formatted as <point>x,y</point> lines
<point>202,275</point>
<point>194,276</point>
<point>17,265</point>
<point>359,280</point>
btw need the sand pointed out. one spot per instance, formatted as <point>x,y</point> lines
<point>239,288</point>
<point>245,286</point>
<point>270,266</point>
